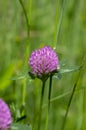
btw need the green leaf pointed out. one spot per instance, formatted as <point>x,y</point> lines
<point>21,77</point>
<point>17,126</point>
<point>18,77</point>
<point>61,71</point>
<point>63,63</point>
<point>69,69</point>
<point>57,76</point>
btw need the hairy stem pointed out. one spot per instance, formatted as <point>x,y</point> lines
<point>41,102</point>
<point>49,96</point>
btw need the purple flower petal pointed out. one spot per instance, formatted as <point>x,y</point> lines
<point>43,61</point>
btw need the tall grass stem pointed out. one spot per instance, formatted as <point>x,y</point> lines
<point>73,91</point>
<point>58,21</point>
<point>26,17</point>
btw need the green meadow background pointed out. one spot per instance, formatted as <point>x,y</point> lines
<point>60,24</point>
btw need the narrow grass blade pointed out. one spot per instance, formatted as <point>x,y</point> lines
<point>71,97</point>
<point>26,17</point>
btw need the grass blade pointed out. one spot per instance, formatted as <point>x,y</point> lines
<point>71,97</point>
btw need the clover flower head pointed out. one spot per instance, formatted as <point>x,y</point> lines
<point>5,116</point>
<point>43,61</point>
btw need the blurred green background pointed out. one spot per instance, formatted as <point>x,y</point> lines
<point>60,24</point>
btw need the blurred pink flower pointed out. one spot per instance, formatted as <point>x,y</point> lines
<point>5,116</point>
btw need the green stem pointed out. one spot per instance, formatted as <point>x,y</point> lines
<point>27,46</point>
<point>49,95</point>
<point>26,17</point>
<point>41,102</point>
<point>24,92</point>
